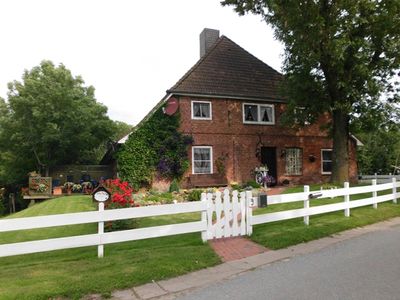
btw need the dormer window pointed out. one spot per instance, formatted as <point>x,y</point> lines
<point>201,110</point>
<point>258,114</point>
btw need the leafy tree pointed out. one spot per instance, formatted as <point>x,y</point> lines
<point>50,118</point>
<point>121,129</point>
<point>381,150</point>
<point>340,57</point>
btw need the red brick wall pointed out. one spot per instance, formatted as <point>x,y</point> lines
<point>227,134</point>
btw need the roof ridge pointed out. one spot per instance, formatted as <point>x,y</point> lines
<point>229,69</point>
<point>197,64</point>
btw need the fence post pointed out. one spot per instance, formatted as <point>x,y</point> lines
<point>204,217</point>
<point>347,200</point>
<point>394,190</point>
<point>307,204</point>
<point>249,213</point>
<point>374,194</point>
<point>100,248</point>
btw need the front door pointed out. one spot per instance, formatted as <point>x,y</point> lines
<point>268,157</point>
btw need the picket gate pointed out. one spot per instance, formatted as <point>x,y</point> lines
<point>226,213</point>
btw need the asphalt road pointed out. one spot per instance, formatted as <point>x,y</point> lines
<point>365,267</point>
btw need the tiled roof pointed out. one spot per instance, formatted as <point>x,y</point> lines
<point>229,70</point>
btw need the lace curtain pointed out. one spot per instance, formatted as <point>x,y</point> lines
<point>201,110</point>
<point>293,161</point>
<point>202,160</point>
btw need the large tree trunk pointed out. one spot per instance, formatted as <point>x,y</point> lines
<point>340,155</point>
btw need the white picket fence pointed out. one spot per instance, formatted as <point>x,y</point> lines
<point>346,205</point>
<point>222,215</point>
<point>100,239</point>
<point>230,221</point>
<point>379,178</point>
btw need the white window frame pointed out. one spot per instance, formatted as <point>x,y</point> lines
<point>300,161</point>
<point>200,118</point>
<point>259,114</point>
<point>211,158</point>
<point>322,161</point>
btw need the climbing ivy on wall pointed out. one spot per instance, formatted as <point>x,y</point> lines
<point>155,149</point>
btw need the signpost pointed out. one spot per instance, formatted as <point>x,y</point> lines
<point>101,195</point>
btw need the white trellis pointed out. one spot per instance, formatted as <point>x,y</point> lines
<point>226,213</point>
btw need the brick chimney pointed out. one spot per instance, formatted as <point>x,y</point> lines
<point>208,37</point>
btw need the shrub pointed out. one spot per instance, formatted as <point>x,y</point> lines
<point>121,197</point>
<point>236,186</point>
<point>2,207</point>
<point>194,195</point>
<point>174,187</point>
<point>253,184</point>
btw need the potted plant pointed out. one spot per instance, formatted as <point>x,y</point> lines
<point>87,187</point>
<point>76,188</point>
<point>68,187</point>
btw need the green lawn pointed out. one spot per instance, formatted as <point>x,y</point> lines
<point>73,273</point>
<point>282,234</point>
<point>76,272</point>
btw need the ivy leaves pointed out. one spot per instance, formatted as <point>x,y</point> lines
<point>155,148</point>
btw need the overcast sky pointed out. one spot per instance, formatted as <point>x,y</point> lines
<point>131,51</point>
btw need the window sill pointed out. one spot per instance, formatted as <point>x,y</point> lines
<point>296,175</point>
<point>202,119</point>
<point>201,174</point>
<point>258,123</point>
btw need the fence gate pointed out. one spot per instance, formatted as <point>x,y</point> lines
<point>226,214</point>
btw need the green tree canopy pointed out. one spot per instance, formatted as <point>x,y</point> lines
<point>381,151</point>
<point>121,130</point>
<point>340,57</point>
<point>50,118</point>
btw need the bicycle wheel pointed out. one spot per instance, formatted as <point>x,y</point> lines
<point>259,178</point>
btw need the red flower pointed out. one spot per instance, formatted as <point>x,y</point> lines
<point>121,193</point>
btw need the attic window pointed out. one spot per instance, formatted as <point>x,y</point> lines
<point>201,110</point>
<point>258,113</point>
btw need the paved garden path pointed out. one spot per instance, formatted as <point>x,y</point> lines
<point>230,249</point>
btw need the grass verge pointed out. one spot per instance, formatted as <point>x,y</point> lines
<point>74,273</point>
<point>282,234</point>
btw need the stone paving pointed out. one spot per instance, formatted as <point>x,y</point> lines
<point>229,249</point>
<point>235,248</point>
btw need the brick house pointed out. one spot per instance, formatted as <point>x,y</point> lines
<point>229,102</point>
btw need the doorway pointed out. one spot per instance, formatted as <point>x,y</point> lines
<point>268,157</point>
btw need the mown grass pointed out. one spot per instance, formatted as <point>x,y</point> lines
<point>286,233</point>
<point>74,273</point>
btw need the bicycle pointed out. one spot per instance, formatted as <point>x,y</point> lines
<point>262,177</point>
